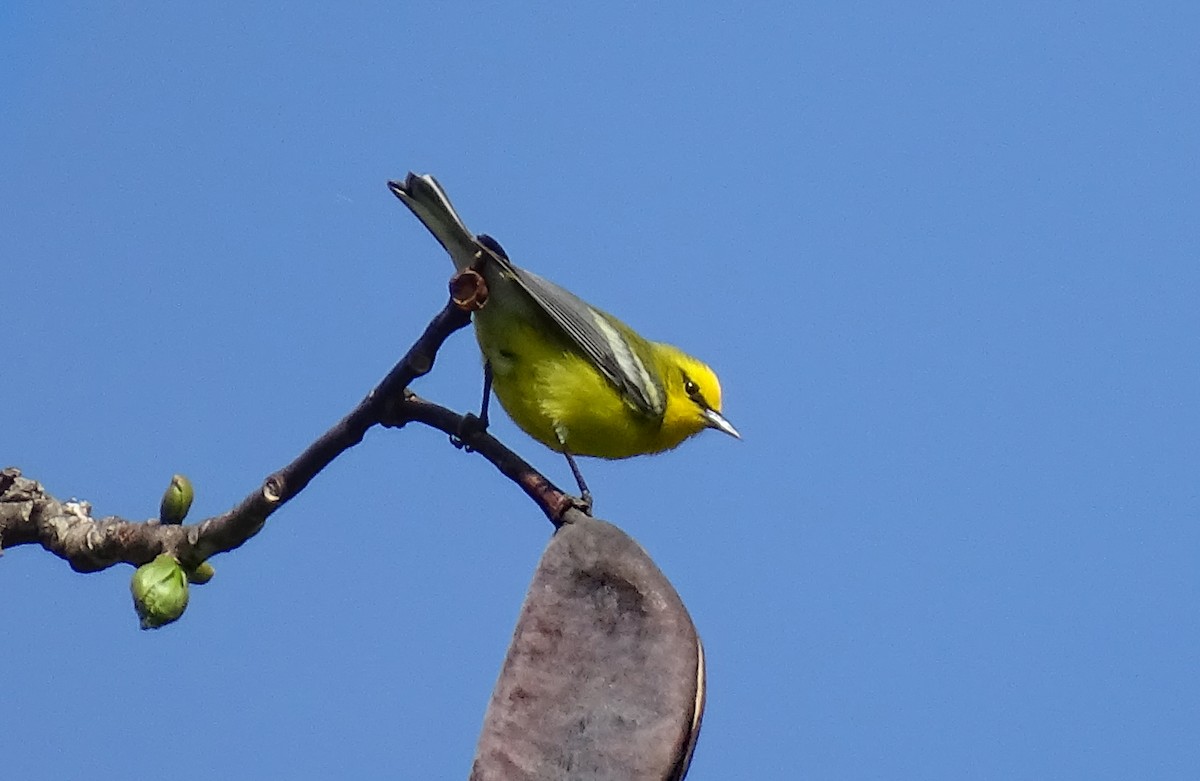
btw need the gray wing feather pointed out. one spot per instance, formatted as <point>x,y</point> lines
<point>601,342</point>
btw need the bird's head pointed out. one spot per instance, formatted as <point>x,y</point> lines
<point>693,395</point>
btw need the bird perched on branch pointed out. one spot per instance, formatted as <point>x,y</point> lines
<point>574,378</point>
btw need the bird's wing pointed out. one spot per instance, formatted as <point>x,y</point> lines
<point>600,340</point>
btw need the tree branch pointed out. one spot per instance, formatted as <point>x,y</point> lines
<point>29,515</point>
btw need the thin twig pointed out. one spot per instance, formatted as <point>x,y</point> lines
<point>29,515</point>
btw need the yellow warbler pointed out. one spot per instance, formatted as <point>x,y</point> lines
<point>574,378</point>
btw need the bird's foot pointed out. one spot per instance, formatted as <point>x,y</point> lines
<point>470,426</point>
<point>582,503</point>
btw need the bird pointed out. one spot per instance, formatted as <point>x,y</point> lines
<point>570,375</point>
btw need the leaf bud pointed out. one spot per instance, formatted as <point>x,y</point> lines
<point>176,500</point>
<point>160,591</point>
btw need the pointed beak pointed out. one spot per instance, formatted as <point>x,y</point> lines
<point>717,420</point>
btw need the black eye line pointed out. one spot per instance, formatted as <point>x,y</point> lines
<point>693,390</point>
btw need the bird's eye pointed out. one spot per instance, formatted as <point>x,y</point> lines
<point>691,388</point>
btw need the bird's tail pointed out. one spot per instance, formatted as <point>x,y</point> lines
<point>427,200</point>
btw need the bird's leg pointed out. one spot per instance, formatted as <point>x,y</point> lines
<point>487,394</point>
<point>470,423</point>
<point>585,496</point>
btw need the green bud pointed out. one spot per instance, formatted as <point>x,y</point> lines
<point>201,574</point>
<point>160,591</point>
<point>176,501</point>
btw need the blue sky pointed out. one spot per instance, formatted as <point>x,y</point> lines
<point>944,258</point>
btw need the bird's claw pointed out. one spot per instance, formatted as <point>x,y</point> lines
<point>470,426</point>
<point>583,503</point>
